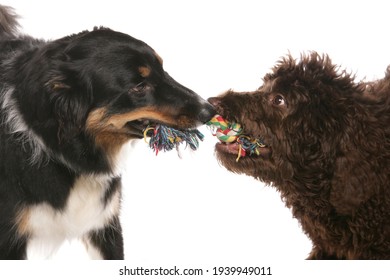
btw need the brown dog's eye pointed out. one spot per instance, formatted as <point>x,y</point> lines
<point>279,100</point>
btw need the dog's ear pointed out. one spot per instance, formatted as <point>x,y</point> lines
<point>70,102</point>
<point>69,87</point>
<point>356,177</point>
<point>310,137</point>
<point>352,185</point>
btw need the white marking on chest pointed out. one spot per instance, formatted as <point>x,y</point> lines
<point>84,211</point>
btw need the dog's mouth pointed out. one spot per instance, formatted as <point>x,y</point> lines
<point>137,128</point>
<point>247,150</point>
<point>234,140</point>
<point>240,152</point>
<point>142,128</point>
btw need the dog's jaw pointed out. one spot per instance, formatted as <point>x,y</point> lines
<point>234,148</point>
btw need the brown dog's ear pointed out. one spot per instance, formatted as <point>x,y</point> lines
<point>356,177</point>
<point>349,187</point>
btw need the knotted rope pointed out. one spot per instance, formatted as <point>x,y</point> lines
<point>230,132</point>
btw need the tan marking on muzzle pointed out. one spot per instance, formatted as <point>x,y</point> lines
<point>110,131</point>
<point>98,119</point>
<point>149,113</point>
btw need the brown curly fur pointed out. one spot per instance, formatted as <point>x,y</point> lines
<point>328,152</point>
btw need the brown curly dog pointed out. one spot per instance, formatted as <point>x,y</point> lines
<point>327,152</point>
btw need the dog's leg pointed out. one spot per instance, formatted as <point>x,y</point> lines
<point>44,247</point>
<point>93,252</point>
<point>318,254</point>
<point>106,243</point>
<point>16,252</point>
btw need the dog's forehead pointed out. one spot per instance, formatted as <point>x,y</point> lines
<point>113,39</point>
<point>118,49</point>
<point>158,57</point>
<point>269,84</point>
<point>146,69</point>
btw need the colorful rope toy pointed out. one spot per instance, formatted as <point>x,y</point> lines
<point>166,138</point>
<point>225,131</point>
<point>230,132</point>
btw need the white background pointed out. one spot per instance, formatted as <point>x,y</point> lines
<point>191,210</point>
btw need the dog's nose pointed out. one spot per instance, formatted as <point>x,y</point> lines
<point>206,113</point>
<point>215,101</point>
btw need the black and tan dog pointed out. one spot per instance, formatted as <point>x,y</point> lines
<point>67,108</point>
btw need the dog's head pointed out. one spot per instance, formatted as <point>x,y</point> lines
<point>101,86</point>
<point>299,112</point>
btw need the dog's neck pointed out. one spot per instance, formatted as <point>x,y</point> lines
<point>12,119</point>
<point>32,144</point>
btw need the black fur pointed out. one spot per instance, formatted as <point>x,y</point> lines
<point>67,108</point>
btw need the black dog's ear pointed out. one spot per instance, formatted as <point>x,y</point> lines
<point>70,103</point>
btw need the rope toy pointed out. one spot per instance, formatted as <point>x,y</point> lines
<point>166,138</point>
<point>225,131</point>
<point>230,132</point>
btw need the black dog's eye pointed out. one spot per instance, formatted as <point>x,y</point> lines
<point>279,100</point>
<point>140,88</point>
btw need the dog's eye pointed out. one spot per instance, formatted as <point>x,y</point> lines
<point>279,100</point>
<point>140,88</point>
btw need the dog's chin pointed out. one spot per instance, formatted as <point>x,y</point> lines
<point>228,154</point>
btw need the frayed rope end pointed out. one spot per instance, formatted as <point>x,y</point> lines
<point>164,138</point>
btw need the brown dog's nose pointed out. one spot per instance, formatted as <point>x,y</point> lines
<point>206,113</point>
<point>215,101</point>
